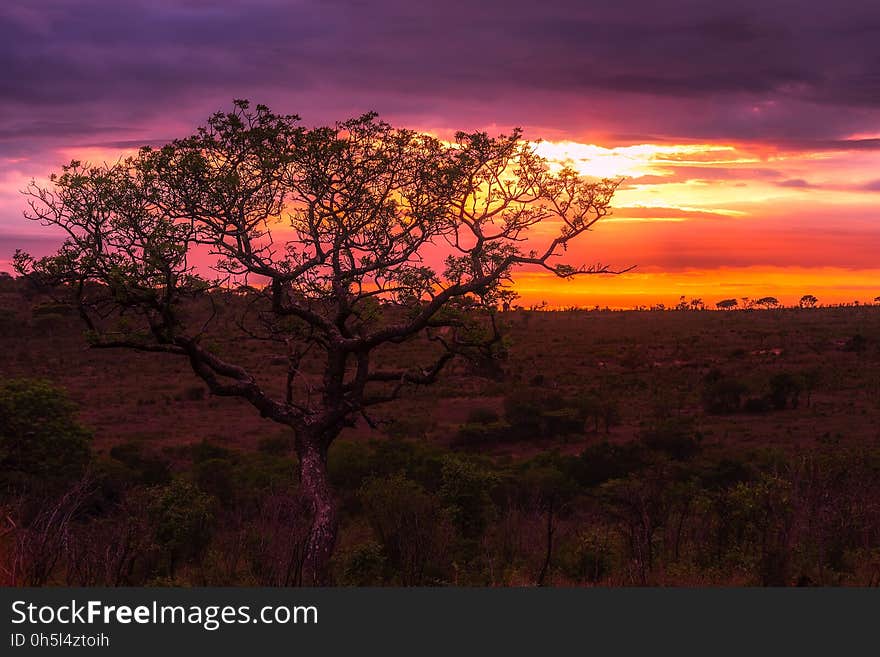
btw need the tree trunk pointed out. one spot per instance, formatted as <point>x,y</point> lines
<point>315,484</point>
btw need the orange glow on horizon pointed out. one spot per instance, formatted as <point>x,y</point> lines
<point>633,289</point>
<point>706,221</point>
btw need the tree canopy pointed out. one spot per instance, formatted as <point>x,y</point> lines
<point>326,224</point>
<point>345,239</point>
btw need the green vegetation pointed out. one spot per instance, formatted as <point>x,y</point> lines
<point>680,448</point>
<point>41,443</point>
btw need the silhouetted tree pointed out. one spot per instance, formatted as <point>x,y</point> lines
<point>727,304</point>
<point>340,229</point>
<point>767,302</point>
<point>808,301</point>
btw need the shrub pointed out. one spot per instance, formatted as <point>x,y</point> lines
<point>465,491</point>
<point>276,538</point>
<point>522,410</point>
<point>600,463</point>
<point>182,518</point>
<point>217,477</point>
<point>148,469</point>
<point>277,445</point>
<point>675,437</point>
<point>364,565</point>
<point>407,524</point>
<point>596,408</point>
<point>41,443</point>
<point>587,558</point>
<point>785,390</point>
<point>206,450</point>
<point>533,415</point>
<point>349,463</point>
<point>478,434</point>
<point>721,394</point>
<point>725,473</point>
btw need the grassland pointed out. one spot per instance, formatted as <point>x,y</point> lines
<point>676,447</point>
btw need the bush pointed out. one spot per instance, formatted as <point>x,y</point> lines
<point>349,463</point>
<point>785,390</point>
<point>522,410</point>
<point>721,394</point>
<point>206,450</point>
<point>148,469</point>
<point>364,566</point>
<point>600,463</point>
<point>407,524</point>
<point>478,434</point>
<point>533,415</point>
<point>725,473</point>
<point>587,558</point>
<point>217,477</point>
<point>675,437</point>
<point>182,518</point>
<point>595,409</point>
<point>41,443</point>
<point>276,445</point>
<point>465,491</point>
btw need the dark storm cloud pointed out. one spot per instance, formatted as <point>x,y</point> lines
<point>795,70</point>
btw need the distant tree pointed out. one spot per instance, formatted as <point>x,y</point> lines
<point>507,297</point>
<point>767,302</point>
<point>697,304</point>
<point>808,301</point>
<point>366,208</point>
<point>876,299</point>
<point>727,304</point>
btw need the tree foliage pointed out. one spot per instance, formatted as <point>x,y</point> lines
<point>345,240</point>
<point>808,301</point>
<point>351,236</point>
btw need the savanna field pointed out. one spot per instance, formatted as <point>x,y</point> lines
<point>695,448</point>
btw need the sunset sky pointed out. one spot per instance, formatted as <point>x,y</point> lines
<point>749,135</point>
